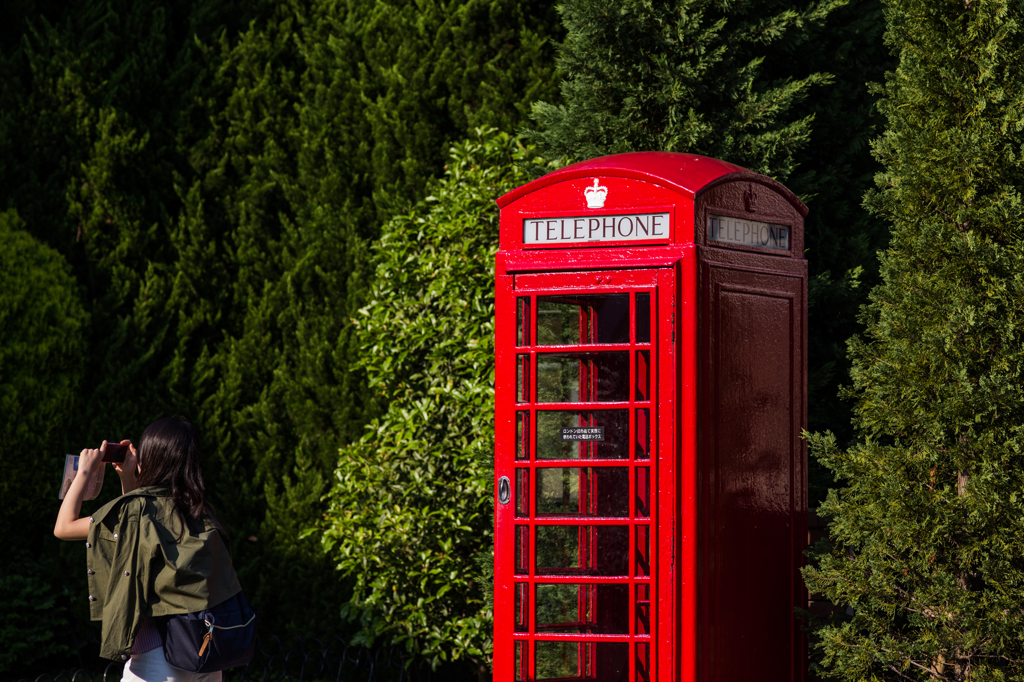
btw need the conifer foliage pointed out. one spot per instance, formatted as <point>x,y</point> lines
<point>928,532</point>
<point>41,323</point>
<point>771,85</point>
<point>680,76</point>
<point>834,171</point>
<point>212,172</point>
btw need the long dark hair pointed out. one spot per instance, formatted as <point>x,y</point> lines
<point>169,456</point>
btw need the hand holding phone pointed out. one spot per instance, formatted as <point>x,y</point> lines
<point>114,452</point>
<point>127,468</point>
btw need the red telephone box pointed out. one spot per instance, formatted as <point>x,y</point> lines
<point>650,477</point>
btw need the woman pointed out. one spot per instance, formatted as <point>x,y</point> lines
<point>157,550</point>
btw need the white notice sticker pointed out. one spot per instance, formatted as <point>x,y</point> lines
<point>748,232</point>
<point>633,227</point>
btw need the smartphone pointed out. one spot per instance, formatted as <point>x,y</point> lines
<point>114,452</point>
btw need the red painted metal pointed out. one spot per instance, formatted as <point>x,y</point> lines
<point>670,550</point>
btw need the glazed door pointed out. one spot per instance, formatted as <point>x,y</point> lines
<point>579,551</point>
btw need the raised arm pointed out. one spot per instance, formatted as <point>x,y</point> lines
<point>69,526</point>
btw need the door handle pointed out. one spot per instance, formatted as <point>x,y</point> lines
<point>504,490</point>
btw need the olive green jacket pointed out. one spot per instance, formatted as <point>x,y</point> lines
<point>138,567</point>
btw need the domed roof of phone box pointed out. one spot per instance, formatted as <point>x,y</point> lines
<point>688,174</point>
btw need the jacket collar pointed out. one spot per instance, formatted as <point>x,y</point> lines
<point>152,491</point>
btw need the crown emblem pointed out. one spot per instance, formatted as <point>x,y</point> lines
<point>595,195</point>
<point>750,199</point>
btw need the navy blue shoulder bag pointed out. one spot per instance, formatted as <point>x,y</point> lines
<point>213,639</point>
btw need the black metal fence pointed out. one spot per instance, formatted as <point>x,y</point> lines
<point>292,659</point>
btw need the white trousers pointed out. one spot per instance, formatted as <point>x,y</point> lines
<point>153,667</point>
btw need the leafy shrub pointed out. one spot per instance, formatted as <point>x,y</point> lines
<point>410,512</point>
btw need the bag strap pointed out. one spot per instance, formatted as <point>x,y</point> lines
<point>230,627</point>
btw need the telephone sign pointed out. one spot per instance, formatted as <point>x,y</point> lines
<point>650,486</point>
<point>752,232</point>
<point>564,231</point>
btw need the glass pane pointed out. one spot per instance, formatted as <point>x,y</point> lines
<point>523,322</point>
<point>583,550</point>
<point>643,318</point>
<point>522,662</point>
<point>558,322</point>
<point>643,551</point>
<point>643,375</point>
<point>583,491</point>
<point>643,433</point>
<point>611,661</point>
<point>522,607</point>
<point>523,435</point>
<point>643,492</point>
<point>522,550</point>
<point>643,609</point>
<point>612,318</point>
<point>583,377</point>
<point>522,492</point>
<point>558,491</point>
<point>611,609</point>
<point>556,660</point>
<point>583,609</point>
<point>560,378</point>
<point>552,443</point>
<point>643,662</point>
<point>523,379</point>
<point>596,661</point>
<point>565,608</point>
<point>571,320</point>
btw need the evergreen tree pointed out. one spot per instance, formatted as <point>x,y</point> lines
<point>99,112</point>
<point>213,172</point>
<point>42,323</point>
<point>93,115</point>
<point>338,115</point>
<point>834,170</point>
<point>734,81</point>
<point>928,531</point>
<point>41,362</point>
<point>680,76</point>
